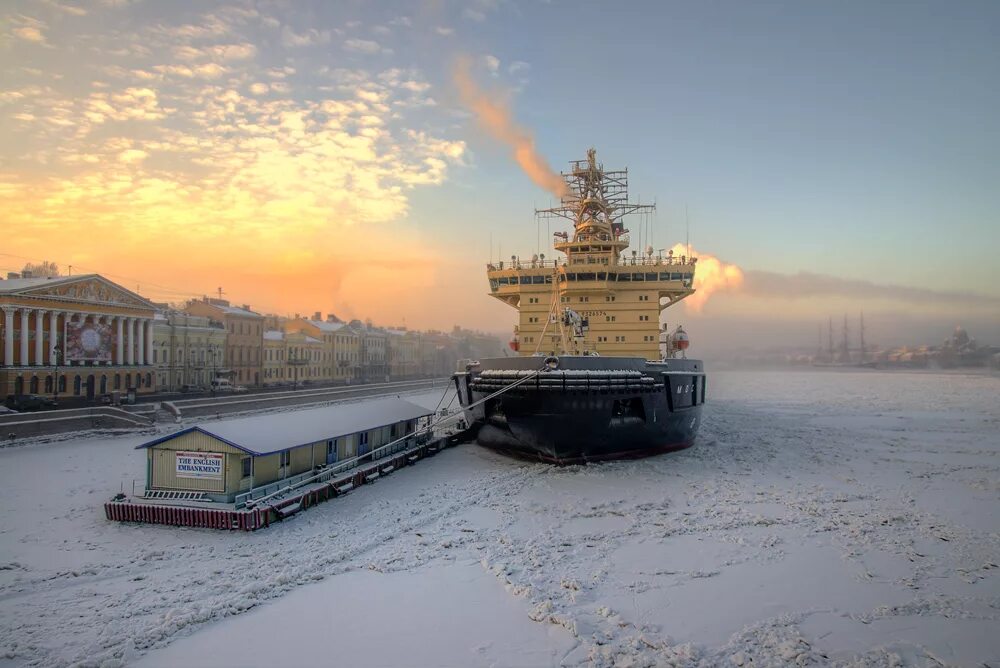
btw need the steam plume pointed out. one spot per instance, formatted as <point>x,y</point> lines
<point>496,118</point>
<point>711,275</point>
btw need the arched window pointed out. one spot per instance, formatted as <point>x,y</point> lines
<point>104,384</point>
<point>149,379</point>
<point>62,383</point>
<point>34,385</point>
<point>76,385</point>
<point>48,384</point>
<point>118,382</point>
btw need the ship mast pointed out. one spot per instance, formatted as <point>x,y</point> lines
<point>596,201</point>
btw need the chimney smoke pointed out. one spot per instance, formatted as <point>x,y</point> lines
<point>497,119</point>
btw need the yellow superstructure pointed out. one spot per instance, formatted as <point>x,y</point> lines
<point>618,297</point>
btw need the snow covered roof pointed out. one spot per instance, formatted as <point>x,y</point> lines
<point>327,326</point>
<point>236,310</point>
<point>274,335</point>
<point>12,284</point>
<point>267,434</point>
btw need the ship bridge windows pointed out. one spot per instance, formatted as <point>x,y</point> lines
<point>650,277</point>
<point>602,276</point>
<point>624,278</point>
<point>494,284</point>
<point>638,277</point>
<point>535,280</point>
<point>586,277</point>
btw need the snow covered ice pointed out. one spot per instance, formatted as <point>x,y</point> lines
<point>823,518</point>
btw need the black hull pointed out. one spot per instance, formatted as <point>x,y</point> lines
<point>587,420</point>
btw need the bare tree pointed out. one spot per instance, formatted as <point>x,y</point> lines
<point>43,269</point>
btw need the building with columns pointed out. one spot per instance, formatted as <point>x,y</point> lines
<point>97,333</point>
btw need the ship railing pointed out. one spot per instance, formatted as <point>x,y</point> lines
<point>622,262</point>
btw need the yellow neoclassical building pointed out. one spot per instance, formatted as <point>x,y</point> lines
<point>98,334</point>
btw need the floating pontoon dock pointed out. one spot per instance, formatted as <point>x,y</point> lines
<point>243,474</point>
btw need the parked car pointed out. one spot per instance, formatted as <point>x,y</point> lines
<point>7,411</point>
<point>190,387</point>
<point>239,389</point>
<point>29,402</point>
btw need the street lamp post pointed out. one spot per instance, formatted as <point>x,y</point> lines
<point>56,354</point>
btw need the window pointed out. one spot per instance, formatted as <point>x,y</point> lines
<point>285,458</point>
<point>247,466</point>
<point>76,385</point>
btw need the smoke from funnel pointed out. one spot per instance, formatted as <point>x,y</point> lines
<point>496,118</point>
<point>711,275</point>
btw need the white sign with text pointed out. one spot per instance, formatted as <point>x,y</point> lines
<point>199,465</point>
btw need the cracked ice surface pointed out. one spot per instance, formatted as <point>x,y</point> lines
<point>844,518</point>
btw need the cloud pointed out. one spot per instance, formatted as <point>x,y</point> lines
<point>444,31</point>
<point>310,37</point>
<point>31,32</point>
<point>492,64</point>
<point>362,46</point>
<point>130,104</point>
<point>259,88</point>
<point>518,66</point>
<point>205,71</point>
<point>478,10</point>
<point>132,155</point>
<point>73,10</point>
<point>225,52</point>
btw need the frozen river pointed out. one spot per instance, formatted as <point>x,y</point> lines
<point>846,518</point>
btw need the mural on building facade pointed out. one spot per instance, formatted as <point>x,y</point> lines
<point>88,342</point>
